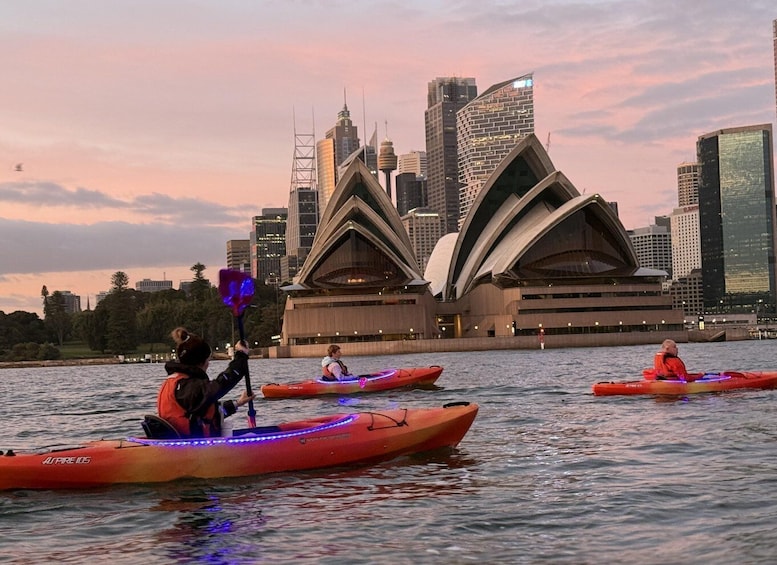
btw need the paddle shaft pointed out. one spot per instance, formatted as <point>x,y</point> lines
<point>251,411</point>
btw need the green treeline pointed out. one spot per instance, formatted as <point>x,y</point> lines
<point>126,318</point>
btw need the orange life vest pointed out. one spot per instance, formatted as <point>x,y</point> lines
<point>669,370</point>
<point>169,409</point>
<point>328,373</point>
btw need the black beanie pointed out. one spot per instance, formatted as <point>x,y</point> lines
<point>193,351</point>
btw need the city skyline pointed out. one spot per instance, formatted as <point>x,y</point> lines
<point>142,137</point>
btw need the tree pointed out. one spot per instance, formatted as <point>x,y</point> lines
<point>200,287</point>
<point>57,319</point>
<point>119,281</point>
<point>20,327</point>
<point>121,323</point>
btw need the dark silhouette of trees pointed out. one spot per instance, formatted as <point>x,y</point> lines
<point>126,318</point>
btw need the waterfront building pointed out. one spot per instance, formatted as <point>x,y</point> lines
<point>339,142</point>
<point>412,162</point>
<point>268,245</point>
<point>147,285</point>
<point>488,128</point>
<point>737,219</point>
<point>424,228</point>
<point>411,192</point>
<point>653,246</point>
<point>686,244</point>
<point>687,184</point>
<point>239,255</point>
<point>445,97</point>
<point>534,258</point>
<point>361,280</point>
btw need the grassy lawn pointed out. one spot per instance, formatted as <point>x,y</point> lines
<point>80,350</point>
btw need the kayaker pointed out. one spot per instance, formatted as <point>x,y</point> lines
<point>188,399</point>
<point>332,368</point>
<point>668,365</point>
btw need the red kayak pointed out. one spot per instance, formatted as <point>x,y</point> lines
<point>384,380</point>
<point>710,382</point>
<point>341,439</point>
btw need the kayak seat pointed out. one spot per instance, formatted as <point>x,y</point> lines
<point>158,428</point>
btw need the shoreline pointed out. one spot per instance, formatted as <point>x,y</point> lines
<point>110,360</point>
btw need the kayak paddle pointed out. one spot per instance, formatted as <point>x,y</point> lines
<point>237,292</point>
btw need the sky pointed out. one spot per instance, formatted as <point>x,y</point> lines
<point>150,132</point>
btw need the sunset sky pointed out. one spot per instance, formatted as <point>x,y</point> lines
<point>150,132</point>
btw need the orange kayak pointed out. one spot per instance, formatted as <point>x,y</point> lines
<point>341,439</point>
<point>383,380</point>
<point>710,382</point>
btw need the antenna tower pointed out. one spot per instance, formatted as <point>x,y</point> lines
<point>303,169</point>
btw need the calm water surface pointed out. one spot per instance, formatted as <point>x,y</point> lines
<point>548,472</point>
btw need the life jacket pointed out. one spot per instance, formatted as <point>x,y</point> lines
<point>169,409</point>
<point>661,368</point>
<point>327,373</point>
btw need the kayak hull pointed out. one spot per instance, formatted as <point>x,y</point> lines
<point>383,380</point>
<point>729,380</point>
<point>341,439</point>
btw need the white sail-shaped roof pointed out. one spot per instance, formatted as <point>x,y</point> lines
<point>529,221</point>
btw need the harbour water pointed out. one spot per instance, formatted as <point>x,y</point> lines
<point>548,472</point>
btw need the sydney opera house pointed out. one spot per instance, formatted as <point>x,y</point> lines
<point>534,262</point>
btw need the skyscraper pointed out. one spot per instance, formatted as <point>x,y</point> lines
<point>686,244</point>
<point>489,127</point>
<point>737,218</point>
<point>446,96</point>
<point>268,245</point>
<point>411,192</point>
<point>653,246</point>
<point>302,219</point>
<point>340,141</point>
<point>412,162</point>
<point>687,184</point>
<point>239,255</point>
<point>424,228</point>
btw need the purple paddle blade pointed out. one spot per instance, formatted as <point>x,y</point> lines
<point>236,290</point>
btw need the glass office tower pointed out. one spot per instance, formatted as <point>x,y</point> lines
<point>736,219</point>
<point>489,127</point>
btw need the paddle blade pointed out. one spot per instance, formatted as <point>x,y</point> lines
<point>236,290</point>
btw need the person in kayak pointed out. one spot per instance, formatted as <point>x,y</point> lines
<point>668,365</point>
<point>332,368</point>
<point>188,399</point>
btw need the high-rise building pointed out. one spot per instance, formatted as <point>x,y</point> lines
<point>687,184</point>
<point>653,245</point>
<point>411,192</point>
<point>268,245</point>
<point>737,219</point>
<point>446,96</point>
<point>412,162</point>
<point>686,244</point>
<point>424,228</point>
<point>488,128</point>
<point>239,255</point>
<point>302,220</point>
<point>340,142</point>
<point>70,302</point>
